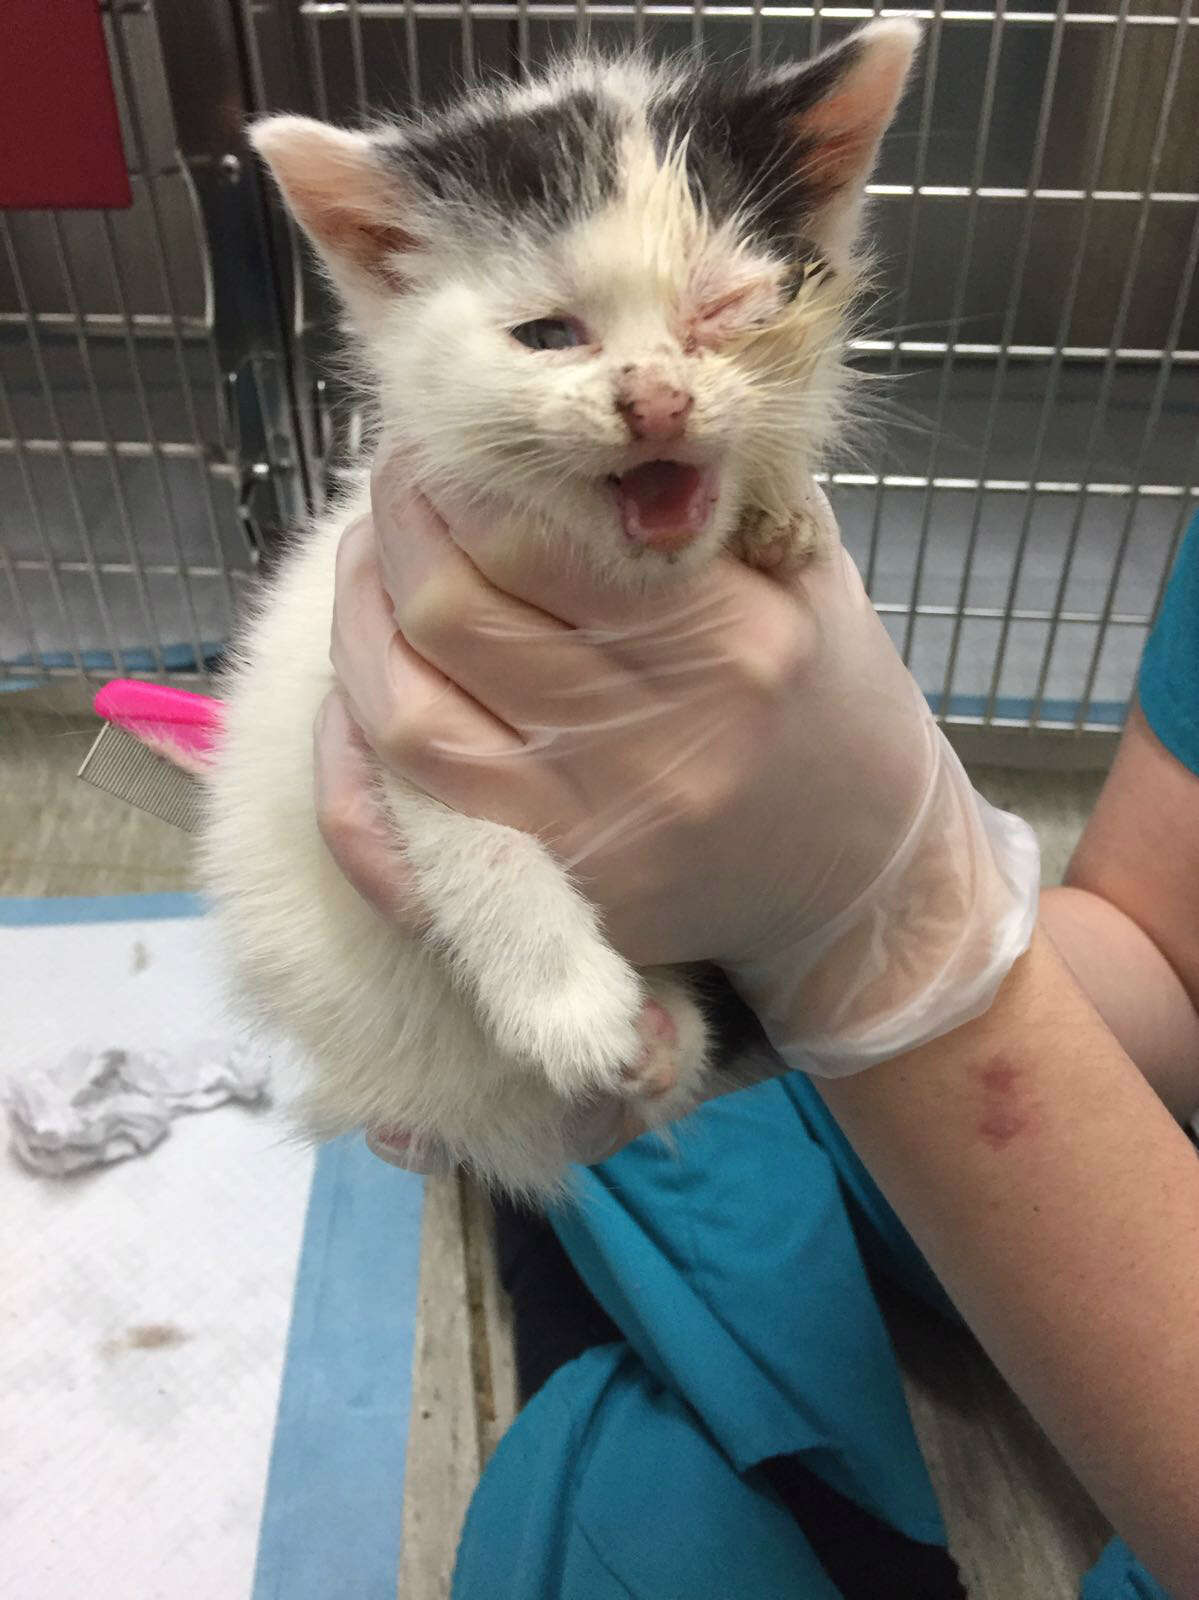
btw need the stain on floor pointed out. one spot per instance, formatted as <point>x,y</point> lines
<point>145,1336</point>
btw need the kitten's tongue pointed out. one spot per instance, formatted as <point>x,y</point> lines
<point>665,504</point>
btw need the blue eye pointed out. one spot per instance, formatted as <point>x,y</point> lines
<point>549,333</point>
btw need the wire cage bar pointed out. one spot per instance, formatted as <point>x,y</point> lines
<point>136,434</point>
<point>1030,360</point>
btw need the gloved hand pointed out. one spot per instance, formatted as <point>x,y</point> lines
<point>734,769</point>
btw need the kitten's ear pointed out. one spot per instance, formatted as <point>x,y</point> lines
<point>340,190</point>
<point>835,110</point>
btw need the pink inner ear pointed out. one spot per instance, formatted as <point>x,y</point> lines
<point>840,135</point>
<point>348,229</point>
<point>368,242</point>
<point>838,143</point>
<point>340,191</point>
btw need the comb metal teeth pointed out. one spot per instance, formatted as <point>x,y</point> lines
<point>122,766</point>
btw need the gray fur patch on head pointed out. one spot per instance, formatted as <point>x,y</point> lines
<point>743,157</point>
<point>541,165</point>
<point>540,156</point>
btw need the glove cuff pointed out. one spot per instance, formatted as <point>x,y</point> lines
<point>924,949</point>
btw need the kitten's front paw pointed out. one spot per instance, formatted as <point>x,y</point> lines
<point>582,1031</point>
<point>655,1072</point>
<point>640,1037</point>
<point>780,548</point>
<point>667,1077</point>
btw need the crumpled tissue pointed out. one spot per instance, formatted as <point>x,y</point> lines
<point>99,1105</point>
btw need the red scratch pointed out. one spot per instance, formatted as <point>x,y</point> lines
<point>1006,1111</point>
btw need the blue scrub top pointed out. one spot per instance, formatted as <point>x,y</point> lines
<point>1169,684</point>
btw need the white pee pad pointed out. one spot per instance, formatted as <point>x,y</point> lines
<point>146,1304</point>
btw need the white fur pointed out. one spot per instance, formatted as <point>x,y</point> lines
<point>488,1029</point>
<point>400,1031</point>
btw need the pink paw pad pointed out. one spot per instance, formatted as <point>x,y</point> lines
<point>397,1140</point>
<point>656,1071</point>
<point>401,1148</point>
<point>769,557</point>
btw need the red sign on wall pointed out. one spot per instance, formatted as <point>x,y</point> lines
<point>60,137</point>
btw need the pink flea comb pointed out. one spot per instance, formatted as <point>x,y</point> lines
<point>154,744</point>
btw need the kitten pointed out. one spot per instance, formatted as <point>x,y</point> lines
<point>613,300</point>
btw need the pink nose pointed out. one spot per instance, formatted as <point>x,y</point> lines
<point>653,409</point>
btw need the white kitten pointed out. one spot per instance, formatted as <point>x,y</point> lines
<point>613,302</point>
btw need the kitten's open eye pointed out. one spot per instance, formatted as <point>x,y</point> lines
<point>550,333</point>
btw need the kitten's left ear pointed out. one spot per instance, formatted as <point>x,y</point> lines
<point>344,195</point>
<point>834,111</point>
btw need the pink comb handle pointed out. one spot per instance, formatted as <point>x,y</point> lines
<point>182,726</point>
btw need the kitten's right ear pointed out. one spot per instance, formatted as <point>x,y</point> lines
<point>341,192</point>
<point>814,129</point>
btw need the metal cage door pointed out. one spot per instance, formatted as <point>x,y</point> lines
<point>1029,456</point>
<point>150,443</point>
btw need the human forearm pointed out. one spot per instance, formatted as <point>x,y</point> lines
<point>1134,988</point>
<point>1059,1204</point>
<point>1127,925</point>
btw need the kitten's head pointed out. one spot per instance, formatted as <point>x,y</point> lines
<point>613,299</point>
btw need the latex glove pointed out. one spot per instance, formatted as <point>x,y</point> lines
<point>734,769</point>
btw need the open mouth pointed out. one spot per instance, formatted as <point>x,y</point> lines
<point>665,505</point>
